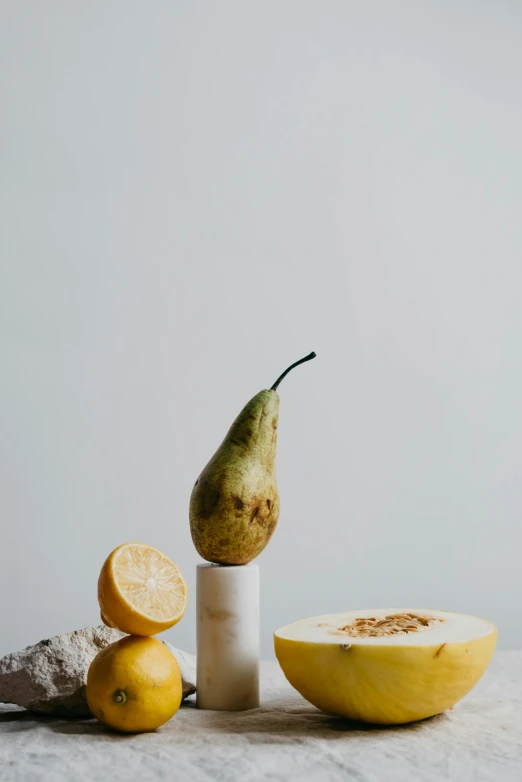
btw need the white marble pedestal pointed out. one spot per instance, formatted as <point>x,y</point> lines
<point>227,637</point>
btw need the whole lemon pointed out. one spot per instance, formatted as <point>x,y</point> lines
<point>134,685</point>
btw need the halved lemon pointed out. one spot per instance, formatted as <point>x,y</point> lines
<point>140,590</point>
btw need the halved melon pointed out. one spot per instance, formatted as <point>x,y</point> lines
<point>385,666</point>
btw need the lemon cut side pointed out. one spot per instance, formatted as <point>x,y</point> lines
<point>140,590</point>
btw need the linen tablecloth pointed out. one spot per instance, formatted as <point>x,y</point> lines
<point>480,740</point>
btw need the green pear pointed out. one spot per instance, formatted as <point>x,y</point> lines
<point>234,506</point>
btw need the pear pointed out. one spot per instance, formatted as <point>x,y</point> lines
<point>234,506</point>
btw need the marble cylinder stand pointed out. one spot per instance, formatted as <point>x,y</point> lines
<point>227,637</point>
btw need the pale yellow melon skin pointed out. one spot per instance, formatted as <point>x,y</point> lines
<point>384,684</point>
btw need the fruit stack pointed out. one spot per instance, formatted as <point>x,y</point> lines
<point>134,685</point>
<point>234,510</point>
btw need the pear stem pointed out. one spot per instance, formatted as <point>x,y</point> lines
<point>285,373</point>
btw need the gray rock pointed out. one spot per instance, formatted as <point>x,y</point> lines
<point>50,676</point>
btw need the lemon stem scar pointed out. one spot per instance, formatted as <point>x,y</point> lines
<point>120,696</point>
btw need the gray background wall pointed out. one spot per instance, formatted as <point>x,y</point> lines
<point>195,194</point>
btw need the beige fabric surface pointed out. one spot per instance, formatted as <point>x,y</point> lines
<point>286,739</point>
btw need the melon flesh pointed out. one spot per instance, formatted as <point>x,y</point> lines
<point>385,666</point>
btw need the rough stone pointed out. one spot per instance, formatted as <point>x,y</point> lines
<point>50,676</point>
